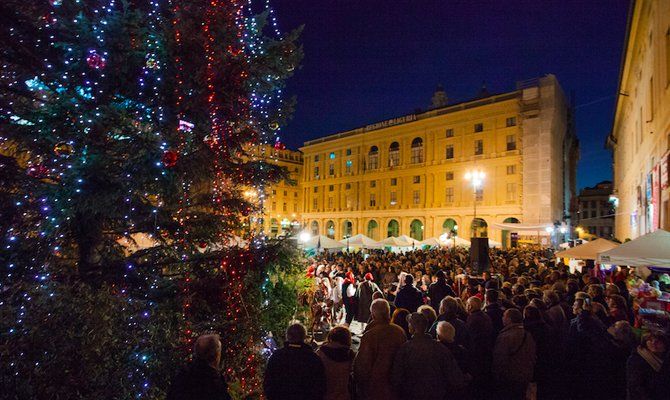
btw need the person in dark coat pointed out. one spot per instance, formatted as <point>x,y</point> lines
<point>647,369</point>
<point>337,358</point>
<point>295,372</point>
<point>494,310</point>
<point>423,368</point>
<point>480,327</point>
<point>586,351</point>
<point>449,313</point>
<point>514,357</point>
<point>409,297</point>
<point>439,290</point>
<point>202,379</point>
<point>622,342</point>
<point>365,295</point>
<point>545,346</point>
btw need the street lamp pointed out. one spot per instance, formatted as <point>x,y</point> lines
<point>476,177</point>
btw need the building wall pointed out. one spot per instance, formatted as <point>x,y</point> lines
<point>641,129</point>
<point>595,212</point>
<point>282,202</point>
<point>345,182</point>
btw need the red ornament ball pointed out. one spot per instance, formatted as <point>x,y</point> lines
<point>170,158</point>
<point>95,60</point>
<point>202,245</point>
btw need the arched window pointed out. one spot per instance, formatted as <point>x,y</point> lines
<point>417,151</point>
<point>373,230</point>
<point>479,228</point>
<point>315,228</point>
<point>416,230</point>
<point>393,228</point>
<point>347,228</point>
<point>506,234</point>
<point>373,158</point>
<point>449,226</point>
<point>394,154</point>
<point>330,229</point>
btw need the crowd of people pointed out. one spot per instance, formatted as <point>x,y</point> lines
<point>433,329</point>
<point>428,327</point>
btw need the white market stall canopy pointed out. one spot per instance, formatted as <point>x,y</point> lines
<point>652,249</point>
<point>459,242</point>
<point>587,251</point>
<point>361,240</point>
<point>323,242</point>
<point>409,240</point>
<point>394,242</point>
<point>432,242</point>
<point>494,244</point>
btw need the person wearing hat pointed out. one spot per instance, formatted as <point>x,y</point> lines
<point>364,294</point>
<point>349,298</point>
<point>439,290</point>
<point>409,297</point>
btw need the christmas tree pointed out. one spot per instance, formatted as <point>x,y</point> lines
<point>124,127</point>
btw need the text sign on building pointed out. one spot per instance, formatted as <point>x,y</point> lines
<point>390,122</point>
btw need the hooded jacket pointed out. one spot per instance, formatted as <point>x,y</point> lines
<point>337,361</point>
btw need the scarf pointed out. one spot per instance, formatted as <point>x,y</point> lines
<point>653,360</point>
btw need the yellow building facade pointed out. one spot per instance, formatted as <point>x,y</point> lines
<point>640,135</point>
<point>406,176</point>
<point>282,202</point>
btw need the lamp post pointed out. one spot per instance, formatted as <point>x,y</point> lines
<point>476,177</point>
<point>347,237</point>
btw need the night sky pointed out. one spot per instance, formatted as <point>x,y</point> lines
<point>369,60</point>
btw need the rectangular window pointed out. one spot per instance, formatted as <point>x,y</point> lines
<point>373,200</point>
<point>348,201</point>
<point>349,166</point>
<point>295,194</point>
<point>511,191</point>
<point>347,186</point>
<point>479,147</point>
<point>417,155</point>
<point>450,176</point>
<point>373,161</point>
<point>479,194</point>
<point>316,172</point>
<point>394,198</point>
<point>348,152</point>
<point>511,142</point>
<point>449,195</point>
<point>394,181</point>
<point>330,202</point>
<point>450,152</point>
<point>331,169</point>
<point>373,184</point>
<point>511,169</point>
<point>331,188</point>
<point>316,189</point>
<point>285,193</point>
<point>449,133</point>
<point>315,204</point>
<point>316,158</point>
<point>416,197</point>
<point>511,121</point>
<point>274,191</point>
<point>416,179</point>
<point>285,207</point>
<point>479,127</point>
<point>394,158</point>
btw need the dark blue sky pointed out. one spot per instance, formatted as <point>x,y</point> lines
<point>368,60</point>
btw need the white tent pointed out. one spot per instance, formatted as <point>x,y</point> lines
<point>394,242</point>
<point>361,240</point>
<point>432,242</point>
<point>409,240</point>
<point>322,242</point>
<point>459,242</point>
<point>587,251</point>
<point>494,244</point>
<point>652,249</point>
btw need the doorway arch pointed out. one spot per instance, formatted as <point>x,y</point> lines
<point>393,228</point>
<point>416,230</point>
<point>373,230</point>
<point>506,242</point>
<point>479,228</point>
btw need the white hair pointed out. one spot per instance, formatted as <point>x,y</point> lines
<point>446,331</point>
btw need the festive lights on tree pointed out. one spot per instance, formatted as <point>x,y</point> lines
<point>129,121</point>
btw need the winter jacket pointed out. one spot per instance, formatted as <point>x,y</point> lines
<point>373,363</point>
<point>482,339</point>
<point>586,356</point>
<point>294,372</point>
<point>495,312</point>
<point>199,381</point>
<point>514,356</point>
<point>643,382</point>
<point>409,298</point>
<point>424,369</point>
<point>462,336</point>
<point>438,291</point>
<point>364,293</point>
<point>337,361</point>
